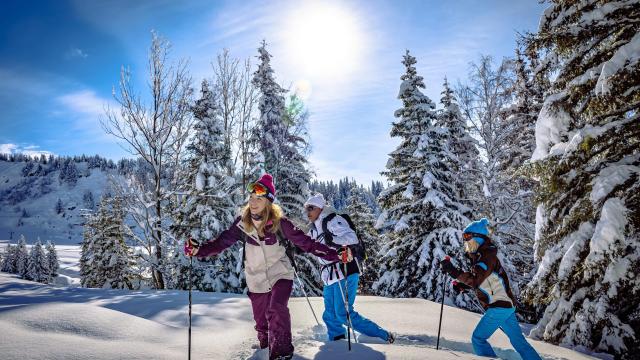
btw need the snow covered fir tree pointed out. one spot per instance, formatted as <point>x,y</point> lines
<point>587,159</point>
<point>421,212</point>
<point>365,221</point>
<point>463,146</point>
<point>338,195</point>
<point>278,153</point>
<point>209,202</point>
<point>36,264</point>
<point>52,260</point>
<point>21,259</point>
<point>106,260</point>
<point>277,144</point>
<point>515,210</point>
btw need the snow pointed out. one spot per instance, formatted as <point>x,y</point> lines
<point>610,177</point>
<point>616,271</point>
<point>625,57</point>
<point>485,189</point>
<point>200,181</point>
<point>428,180</point>
<point>576,243</point>
<point>408,193</point>
<point>561,252</point>
<point>550,126</point>
<point>610,227</point>
<point>541,222</point>
<point>62,322</point>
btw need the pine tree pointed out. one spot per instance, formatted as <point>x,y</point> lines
<point>365,221</point>
<point>52,260</point>
<point>38,268</point>
<point>210,204</point>
<point>22,258</point>
<point>59,207</point>
<point>463,147</point>
<point>87,198</point>
<point>68,172</point>
<point>105,259</point>
<point>90,272</point>
<point>516,215</point>
<point>278,153</point>
<point>294,177</point>
<point>420,210</point>
<point>8,260</point>
<point>116,255</point>
<point>587,159</point>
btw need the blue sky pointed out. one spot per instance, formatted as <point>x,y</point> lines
<point>60,59</point>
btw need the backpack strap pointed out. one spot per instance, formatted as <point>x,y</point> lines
<point>289,249</point>
<point>328,235</point>
<point>244,249</point>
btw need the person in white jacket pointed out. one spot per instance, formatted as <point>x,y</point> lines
<point>339,235</point>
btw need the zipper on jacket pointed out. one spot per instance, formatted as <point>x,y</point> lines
<point>266,264</point>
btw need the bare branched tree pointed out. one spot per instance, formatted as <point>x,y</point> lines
<point>153,128</point>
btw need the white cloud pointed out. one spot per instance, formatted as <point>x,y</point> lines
<point>7,148</point>
<point>85,108</point>
<point>31,150</point>
<point>84,102</point>
<point>76,53</point>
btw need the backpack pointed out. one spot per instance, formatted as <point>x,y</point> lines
<point>359,250</point>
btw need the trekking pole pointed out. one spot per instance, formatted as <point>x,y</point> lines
<point>346,295</point>
<point>190,284</point>
<point>444,283</point>
<point>305,295</point>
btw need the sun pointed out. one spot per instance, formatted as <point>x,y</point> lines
<point>323,40</point>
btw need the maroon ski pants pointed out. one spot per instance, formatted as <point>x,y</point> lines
<point>273,322</point>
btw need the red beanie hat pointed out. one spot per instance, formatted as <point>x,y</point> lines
<point>267,181</point>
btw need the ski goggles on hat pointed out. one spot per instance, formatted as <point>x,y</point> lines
<point>260,190</point>
<point>470,235</point>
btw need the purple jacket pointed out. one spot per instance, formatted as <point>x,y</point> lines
<point>265,260</point>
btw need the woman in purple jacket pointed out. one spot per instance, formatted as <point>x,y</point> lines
<point>268,270</point>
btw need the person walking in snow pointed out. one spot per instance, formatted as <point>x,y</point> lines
<point>268,270</point>
<point>331,229</point>
<point>491,284</point>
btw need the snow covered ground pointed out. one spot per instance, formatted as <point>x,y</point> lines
<point>68,322</point>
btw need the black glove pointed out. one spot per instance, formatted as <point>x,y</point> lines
<point>460,287</point>
<point>448,268</point>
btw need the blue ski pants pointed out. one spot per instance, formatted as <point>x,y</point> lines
<point>335,315</point>
<point>504,318</point>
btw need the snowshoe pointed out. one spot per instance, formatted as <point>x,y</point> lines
<point>284,357</point>
<point>391,338</point>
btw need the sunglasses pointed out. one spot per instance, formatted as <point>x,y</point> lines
<point>310,208</point>
<point>258,189</point>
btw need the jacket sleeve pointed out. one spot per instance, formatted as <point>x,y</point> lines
<point>224,240</point>
<point>305,243</point>
<point>480,271</point>
<point>343,234</point>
